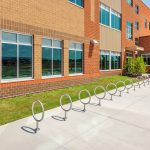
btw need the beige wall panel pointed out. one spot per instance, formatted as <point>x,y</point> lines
<point>115,4</point>
<point>110,39</point>
<point>59,15</point>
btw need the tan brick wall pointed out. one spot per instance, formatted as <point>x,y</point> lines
<point>59,15</point>
<point>65,58</point>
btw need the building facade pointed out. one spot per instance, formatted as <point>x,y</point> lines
<point>46,45</point>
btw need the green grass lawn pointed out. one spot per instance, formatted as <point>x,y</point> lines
<point>12,109</point>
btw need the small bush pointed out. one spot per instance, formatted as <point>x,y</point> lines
<point>135,66</point>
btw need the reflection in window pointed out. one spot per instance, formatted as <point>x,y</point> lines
<point>9,61</point>
<point>104,60</point>
<point>115,60</point>
<point>75,58</point>
<point>104,15</point>
<point>77,2</point>
<point>129,30</point>
<point>51,57</point>
<point>115,20</point>
<point>109,60</point>
<point>16,56</point>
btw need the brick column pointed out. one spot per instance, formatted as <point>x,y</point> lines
<point>65,60</point>
<point>37,55</point>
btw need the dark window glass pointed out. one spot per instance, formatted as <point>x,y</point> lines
<point>136,9</point>
<point>115,61</point>
<point>9,61</point>
<point>104,60</point>
<point>25,61</point>
<point>78,61</point>
<point>46,61</point>
<point>72,61</point>
<point>57,61</point>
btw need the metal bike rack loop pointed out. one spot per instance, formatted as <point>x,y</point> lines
<point>128,86</point>
<point>33,114</point>
<point>113,92</point>
<point>136,83</point>
<point>83,102</point>
<point>70,107</point>
<point>121,89</point>
<point>140,81</point>
<point>146,80</point>
<point>100,97</point>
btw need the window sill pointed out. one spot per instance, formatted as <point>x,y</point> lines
<point>111,70</point>
<point>16,80</point>
<point>76,74</point>
<point>110,27</point>
<point>52,77</point>
<point>76,5</point>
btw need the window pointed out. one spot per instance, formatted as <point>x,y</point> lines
<point>128,30</point>
<point>136,41</point>
<point>109,60</point>
<point>115,20</point>
<point>104,15</point>
<point>149,25</point>
<point>51,57</point>
<point>16,56</point>
<point>115,60</point>
<point>130,2</point>
<point>146,59</point>
<point>136,9</point>
<point>145,23</point>
<point>104,60</point>
<point>77,2</point>
<point>136,25</point>
<point>75,58</point>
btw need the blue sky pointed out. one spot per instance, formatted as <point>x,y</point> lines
<point>147,2</point>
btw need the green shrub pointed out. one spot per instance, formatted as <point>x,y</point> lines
<point>135,66</point>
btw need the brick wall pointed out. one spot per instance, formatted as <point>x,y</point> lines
<point>128,14</point>
<point>91,28</point>
<point>55,19</point>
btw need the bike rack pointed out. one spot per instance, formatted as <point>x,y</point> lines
<point>113,92</point>
<point>119,89</point>
<point>33,114</point>
<point>140,81</point>
<point>84,103</point>
<point>65,110</point>
<point>129,86</point>
<point>96,95</point>
<point>136,83</point>
<point>146,80</point>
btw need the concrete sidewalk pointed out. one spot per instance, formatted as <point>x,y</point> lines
<point>121,124</point>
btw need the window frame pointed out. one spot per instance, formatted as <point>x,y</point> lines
<point>75,3</point>
<point>110,10</point>
<point>17,43</point>
<point>146,58</point>
<point>71,49</point>
<point>53,47</point>
<point>127,33</point>
<point>136,9</point>
<point>110,59</point>
<point>130,4</point>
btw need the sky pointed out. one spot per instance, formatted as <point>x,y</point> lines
<point>147,2</point>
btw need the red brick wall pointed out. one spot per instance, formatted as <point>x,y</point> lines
<point>145,42</point>
<point>128,14</point>
<point>91,29</point>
